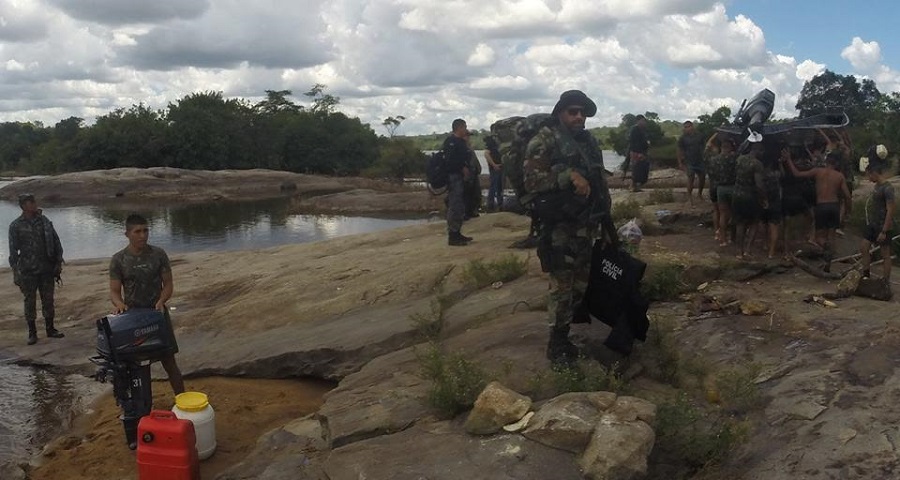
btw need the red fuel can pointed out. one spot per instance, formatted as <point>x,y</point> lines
<point>167,448</point>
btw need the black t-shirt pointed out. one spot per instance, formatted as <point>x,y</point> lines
<point>637,140</point>
<point>456,154</point>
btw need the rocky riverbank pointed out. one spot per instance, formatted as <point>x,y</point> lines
<point>750,381</point>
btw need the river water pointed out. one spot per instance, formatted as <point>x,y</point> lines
<point>36,405</point>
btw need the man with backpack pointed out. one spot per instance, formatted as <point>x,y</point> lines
<point>456,157</point>
<point>563,170</point>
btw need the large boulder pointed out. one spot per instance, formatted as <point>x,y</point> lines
<point>567,421</point>
<point>495,407</point>
<point>618,450</point>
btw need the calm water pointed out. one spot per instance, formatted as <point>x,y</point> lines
<point>35,406</point>
<point>97,232</point>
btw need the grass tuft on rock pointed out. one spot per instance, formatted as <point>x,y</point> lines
<point>662,282</point>
<point>456,380</point>
<point>479,274</point>
<point>738,390</point>
<point>694,437</point>
<point>583,376</point>
<point>661,195</point>
<point>429,325</point>
<point>626,210</point>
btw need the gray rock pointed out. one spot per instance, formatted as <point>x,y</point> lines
<point>385,396</point>
<point>285,453</point>
<point>495,407</point>
<point>628,409</point>
<point>9,471</point>
<point>618,450</point>
<point>440,451</point>
<point>567,421</point>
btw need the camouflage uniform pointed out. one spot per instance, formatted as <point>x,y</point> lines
<point>566,245</point>
<point>141,275</point>
<point>36,256</point>
<point>142,278</point>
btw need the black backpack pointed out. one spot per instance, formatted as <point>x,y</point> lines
<point>436,172</point>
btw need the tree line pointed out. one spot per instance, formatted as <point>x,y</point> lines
<point>202,130</point>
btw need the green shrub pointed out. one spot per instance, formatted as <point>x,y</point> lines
<point>738,390</point>
<point>661,195</point>
<point>584,376</point>
<point>456,380</point>
<point>429,325</point>
<point>688,434</point>
<point>662,282</point>
<point>626,210</point>
<point>660,353</point>
<point>478,273</point>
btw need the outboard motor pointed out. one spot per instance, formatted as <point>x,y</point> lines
<point>755,112</point>
<point>752,115</point>
<point>127,344</point>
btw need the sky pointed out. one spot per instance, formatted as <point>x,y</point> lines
<point>435,60</point>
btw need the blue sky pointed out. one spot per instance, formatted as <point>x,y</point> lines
<point>821,29</point>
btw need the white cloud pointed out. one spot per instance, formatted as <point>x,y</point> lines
<point>428,60</point>
<point>482,56</point>
<point>862,55</point>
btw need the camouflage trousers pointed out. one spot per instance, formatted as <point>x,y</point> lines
<point>456,202</point>
<point>30,285</point>
<point>569,265</point>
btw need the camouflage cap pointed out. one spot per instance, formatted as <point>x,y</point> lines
<point>575,97</point>
<point>25,197</point>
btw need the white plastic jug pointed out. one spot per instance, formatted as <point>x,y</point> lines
<point>194,406</point>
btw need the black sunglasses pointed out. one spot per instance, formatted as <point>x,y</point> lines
<point>575,111</point>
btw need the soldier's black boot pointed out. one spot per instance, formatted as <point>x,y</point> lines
<point>52,332</point>
<point>457,239</point>
<point>561,351</point>
<point>32,333</point>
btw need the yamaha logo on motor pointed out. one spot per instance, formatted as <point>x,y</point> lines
<point>146,330</point>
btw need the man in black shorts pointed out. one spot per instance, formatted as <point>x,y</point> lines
<point>879,219</point>
<point>831,191</point>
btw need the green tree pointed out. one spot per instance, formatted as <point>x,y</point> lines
<point>391,124</point>
<point>210,132</point>
<point>398,158</point>
<point>136,137</point>
<point>707,123</point>
<point>323,103</point>
<point>830,91</point>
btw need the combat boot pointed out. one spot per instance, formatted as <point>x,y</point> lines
<point>52,332</point>
<point>560,350</point>
<point>32,333</point>
<point>457,239</point>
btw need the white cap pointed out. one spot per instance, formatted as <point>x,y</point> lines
<point>881,151</point>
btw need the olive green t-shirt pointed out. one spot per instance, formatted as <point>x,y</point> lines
<point>141,275</point>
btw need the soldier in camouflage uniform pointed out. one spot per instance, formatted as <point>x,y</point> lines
<point>721,179</point>
<point>145,274</point>
<point>564,170</point>
<point>36,258</point>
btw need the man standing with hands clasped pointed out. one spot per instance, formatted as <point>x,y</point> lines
<point>143,272</point>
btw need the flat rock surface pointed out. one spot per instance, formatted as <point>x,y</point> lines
<point>440,451</point>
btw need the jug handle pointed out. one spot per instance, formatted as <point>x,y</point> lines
<point>162,414</point>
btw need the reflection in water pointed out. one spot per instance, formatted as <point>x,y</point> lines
<point>34,408</point>
<point>95,232</point>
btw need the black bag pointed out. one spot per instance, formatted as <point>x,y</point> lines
<point>613,296</point>
<point>436,172</point>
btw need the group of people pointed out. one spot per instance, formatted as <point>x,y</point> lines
<point>140,275</point>
<point>764,187</point>
<point>563,169</point>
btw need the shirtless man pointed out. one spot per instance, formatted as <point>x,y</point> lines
<point>830,184</point>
